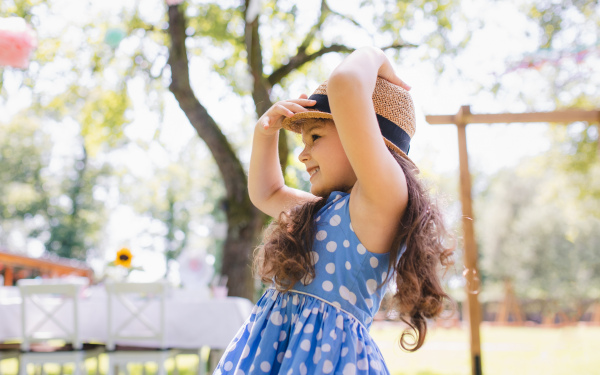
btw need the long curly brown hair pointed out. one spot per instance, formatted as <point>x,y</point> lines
<point>284,256</point>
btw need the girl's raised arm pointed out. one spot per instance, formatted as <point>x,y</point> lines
<point>350,89</point>
<point>266,185</point>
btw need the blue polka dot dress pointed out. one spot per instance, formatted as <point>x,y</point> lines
<point>321,326</point>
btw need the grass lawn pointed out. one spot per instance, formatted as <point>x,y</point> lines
<point>505,350</point>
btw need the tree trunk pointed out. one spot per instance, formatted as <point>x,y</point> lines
<point>243,219</point>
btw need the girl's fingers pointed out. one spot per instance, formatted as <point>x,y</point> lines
<point>303,96</point>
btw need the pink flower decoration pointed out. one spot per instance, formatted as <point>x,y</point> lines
<point>174,2</point>
<point>17,40</point>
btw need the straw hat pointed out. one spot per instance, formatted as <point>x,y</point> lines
<point>393,106</point>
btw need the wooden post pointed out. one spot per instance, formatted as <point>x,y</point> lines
<point>470,257</point>
<point>8,276</point>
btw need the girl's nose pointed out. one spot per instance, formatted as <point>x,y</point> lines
<point>304,156</point>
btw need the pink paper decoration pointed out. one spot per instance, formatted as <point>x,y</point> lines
<point>173,2</point>
<point>17,40</point>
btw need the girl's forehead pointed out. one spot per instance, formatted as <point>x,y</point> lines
<point>310,125</point>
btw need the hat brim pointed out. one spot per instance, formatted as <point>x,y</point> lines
<point>292,124</point>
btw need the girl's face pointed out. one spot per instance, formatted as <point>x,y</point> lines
<point>325,159</point>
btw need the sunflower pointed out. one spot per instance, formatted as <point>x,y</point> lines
<point>123,258</point>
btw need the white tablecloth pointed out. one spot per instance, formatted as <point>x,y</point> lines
<point>190,322</point>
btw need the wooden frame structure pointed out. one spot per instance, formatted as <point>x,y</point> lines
<point>461,120</point>
<point>46,267</point>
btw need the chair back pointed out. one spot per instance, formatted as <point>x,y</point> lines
<point>136,314</point>
<point>45,310</point>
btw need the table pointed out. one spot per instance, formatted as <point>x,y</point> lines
<point>191,322</point>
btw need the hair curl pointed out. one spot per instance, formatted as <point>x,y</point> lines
<point>284,257</point>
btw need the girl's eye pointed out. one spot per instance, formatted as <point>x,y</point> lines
<point>315,137</point>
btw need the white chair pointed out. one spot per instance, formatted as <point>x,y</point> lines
<point>136,318</point>
<point>50,311</point>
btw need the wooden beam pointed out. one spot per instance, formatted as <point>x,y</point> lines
<point>46,266</point>
<point>566,116</point>
<point>470,257</point>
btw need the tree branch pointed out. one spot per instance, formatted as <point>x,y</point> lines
<point>302,58</point>
<point>229,165</point>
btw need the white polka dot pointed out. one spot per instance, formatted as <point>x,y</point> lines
<point>295,300</point>
<point>383,276</point>
<point>337,197</point>
<point>306,313</point>
<point>305,345</point>
<point>321,235</point>
<point>315,310</point>
<point>240,372</point>
<point>352,229</point>
<point>348,265</point>
<point>362,364</point>
<point>327,367</point>
<point>303,369</point>
<point>318,218</point>
<point>330,268</point>
<point>376,365</point>
<point>317,356</point>
<point>285,319</point>
<point>339,205</point>
<point>343,336</point>
<point>298,328</point>
<point>361,249</point>
<point>369,350</point>
<point>359,347</point>
<point>369,302</point>
<point>276,318</point>
<point>336,304</point>
<point>275,345</point>
<point>314,257</point>
<point>284,303</point>
<point>339,322</point>
<point>349,369</point>
<point>282,335</point>
<point>368,320</point>
<point>307,279</point>
<point>352,298</point>
<point>228,366</point>
<point>374,262</point>
<point>331,246</point>
<point>344,292</point>
<point>251,368</point>
<point>309,328</point>
<point>327,286</point>
<point>257,352</point>
<point>290,372</point>
<point>344,351</point>
<point>326,347</point>
<point>335,220</point>
<point>265,366</point>
<point>288,354</point>
<point>246,351</point>
<point>320,334</point>
<point>333,334</point>
<point>280,357</point>
<point>346,243</point>
<point>217,372</point>
<point>371,286</point>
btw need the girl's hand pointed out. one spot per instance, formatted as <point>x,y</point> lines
<point>270,122</point>
<point>386,71</point>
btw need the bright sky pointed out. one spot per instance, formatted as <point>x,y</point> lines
<point>505,36</point>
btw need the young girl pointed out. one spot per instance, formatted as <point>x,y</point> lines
<point>330,253</point>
